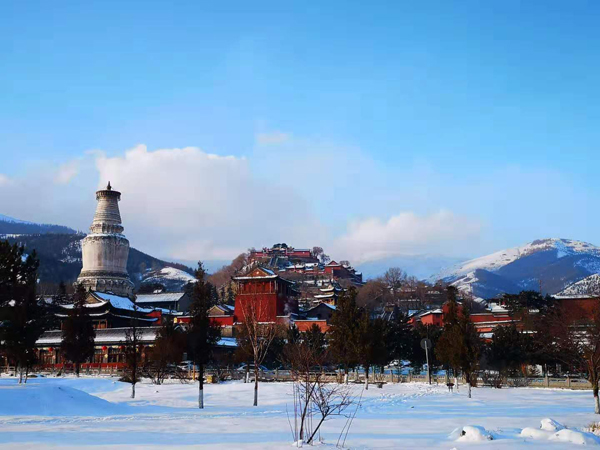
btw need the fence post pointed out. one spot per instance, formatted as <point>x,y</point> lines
<point>568,381</point>
<point>547,380</point>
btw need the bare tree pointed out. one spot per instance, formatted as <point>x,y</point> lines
<point>316,252</point>
<point>258,333</point>
<point>167,351</point>
<point>394,277</point>
<point>576,334</point>
<point>313,395</point>
<point>133,337</point>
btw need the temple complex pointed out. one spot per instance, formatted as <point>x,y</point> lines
<point>105,250</point>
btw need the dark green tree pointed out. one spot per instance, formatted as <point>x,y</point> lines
<point>167,350</point>
<point>315,339</point>
<point>23,318</point>
<point>78,332</point>
<point>400,338</point>
<point>371,348</point>
<point>203,334</point>
<point>508,351</point>
<point>459,345</point>
<point>344,324</point>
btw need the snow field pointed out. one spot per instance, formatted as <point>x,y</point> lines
<point>70,412</point>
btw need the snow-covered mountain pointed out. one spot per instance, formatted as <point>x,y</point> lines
<point>552,264</point>
<point>588,286</point>
<point>171,278</point>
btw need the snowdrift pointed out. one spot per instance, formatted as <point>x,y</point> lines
<point>551,430</point>
<point>471,433</point>
<point>41,399</point>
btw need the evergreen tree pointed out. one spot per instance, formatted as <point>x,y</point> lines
<point>23,318</point>
<point>371,343</point>
<point>344,323</point>
<point>459,345</point>
<point>508,351</point>
<point>230,295</point>
<point>167,350</point>
<point>416,354</point>
<point>400,338</point>
<point>78,332</point>
<point>315,339</point>
<point>202,333</point>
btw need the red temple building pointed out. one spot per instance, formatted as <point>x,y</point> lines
<point>272,298</point>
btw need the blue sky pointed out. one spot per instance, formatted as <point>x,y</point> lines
<point>488,110</point>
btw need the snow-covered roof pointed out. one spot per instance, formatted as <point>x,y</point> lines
<point>163,297</point>
<point>103,336</point>
<point>119,302</point>
<point>227,342</point>
<point>324,295</point>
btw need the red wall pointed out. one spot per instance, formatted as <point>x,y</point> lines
<point>265,305</point>
<point>305,325</point>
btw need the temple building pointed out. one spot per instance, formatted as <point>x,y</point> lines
<point>105,250</point>
<point>110,292</point>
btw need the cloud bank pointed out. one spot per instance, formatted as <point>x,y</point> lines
<point>188,204</point>
<point>405,234</point>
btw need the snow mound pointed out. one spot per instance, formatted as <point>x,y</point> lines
<point>471,433</point>
<point>551,425</point>
<point>551,430</point>
<point>574,437</point>
<point>536,434</point>
<point>33,399</point>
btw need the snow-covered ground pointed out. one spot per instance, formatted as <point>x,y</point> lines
<point>62,412</point>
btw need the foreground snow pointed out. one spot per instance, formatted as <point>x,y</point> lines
<point>59,412</point>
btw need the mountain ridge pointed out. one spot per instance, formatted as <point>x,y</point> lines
<point>60,254</point>
<point>548,265</point>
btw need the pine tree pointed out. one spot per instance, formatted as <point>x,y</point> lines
<point>23,318</point>
<point>371,348</point>
<point>459,345</point>
<point>168,349</point>
<point>400,338</point>
<point>315,339</point>
<point>508,350</point>
<point>344,322</point>
<point>78,333</point>
<point>203,335</point>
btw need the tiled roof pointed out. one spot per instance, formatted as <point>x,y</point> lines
<point>164,297</point>
<point>103,336</point>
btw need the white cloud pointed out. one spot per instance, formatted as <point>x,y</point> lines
<point>4,180</point>
<point>67,172</point>
<point>405,234</point>
<point>273,138</point>
<point>189,204</point>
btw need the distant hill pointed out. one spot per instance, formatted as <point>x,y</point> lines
<point>9,225</point>
<point>588,286</point>
<point>552,264</point>
<point>60,254</point>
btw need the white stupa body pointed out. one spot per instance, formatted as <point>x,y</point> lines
<point>105,250</point>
